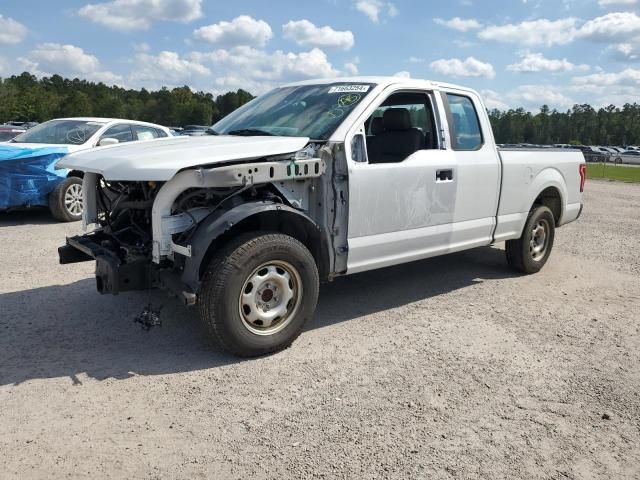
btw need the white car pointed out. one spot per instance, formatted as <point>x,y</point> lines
<point>30,160</point>
<point>308,182</point>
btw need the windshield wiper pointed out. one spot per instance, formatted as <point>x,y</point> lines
<point>250,132</point>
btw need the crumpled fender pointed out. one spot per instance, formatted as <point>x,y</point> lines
<point>218,223</point>
<point>28,175</point>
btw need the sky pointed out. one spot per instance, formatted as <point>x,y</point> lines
<point>517,53</point>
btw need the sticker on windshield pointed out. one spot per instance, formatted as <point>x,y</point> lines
<point>350,89</point>
<point>336,112</point>
<point>349,99</point>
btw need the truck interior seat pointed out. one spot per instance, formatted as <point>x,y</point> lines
<point>397,141</point>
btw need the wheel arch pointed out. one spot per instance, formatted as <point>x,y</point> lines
<point>549,189</point>
<point>217,229</point>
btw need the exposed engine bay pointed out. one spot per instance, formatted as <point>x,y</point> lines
<point>150,233</point>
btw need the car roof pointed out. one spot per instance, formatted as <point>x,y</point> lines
<point>111,120</point>
<point>381,81</point>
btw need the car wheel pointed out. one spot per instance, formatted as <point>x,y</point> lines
<point>529,253</point>
<point>257,294</point>
<point>65,201</point>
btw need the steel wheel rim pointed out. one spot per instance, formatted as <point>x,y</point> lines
<point>539,242</point>
<point>270,297</point>
<point>73,199</point>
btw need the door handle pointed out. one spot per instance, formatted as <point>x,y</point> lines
<point>444,175</point>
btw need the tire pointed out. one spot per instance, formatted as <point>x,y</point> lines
<point>256,279</point>
<point>529,253</point>
<point>65,201</point>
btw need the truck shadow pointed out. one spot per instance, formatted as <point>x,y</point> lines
<point>71,331</point>
<point>26,216</point>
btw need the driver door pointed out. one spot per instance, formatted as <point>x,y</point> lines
<point>402,191</point>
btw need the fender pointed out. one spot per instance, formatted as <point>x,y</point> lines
<point>222,221</point>
<point>549,177</point>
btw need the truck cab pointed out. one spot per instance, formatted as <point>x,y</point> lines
<point>308,182</point>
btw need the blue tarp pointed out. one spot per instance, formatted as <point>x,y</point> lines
<point>27,175</point>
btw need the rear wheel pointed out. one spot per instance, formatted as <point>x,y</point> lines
<point>530,252</point>
<point>65,201</point>
<point>257,294</point>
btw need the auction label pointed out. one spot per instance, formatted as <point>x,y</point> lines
<point>350,89</point>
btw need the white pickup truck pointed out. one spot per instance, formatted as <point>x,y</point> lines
<point>308,182</point>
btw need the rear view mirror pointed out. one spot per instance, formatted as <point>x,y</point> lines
<point>108,141</point>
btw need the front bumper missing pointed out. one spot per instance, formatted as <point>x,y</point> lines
<point>112,275</point>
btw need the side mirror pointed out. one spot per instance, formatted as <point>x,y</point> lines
<point>108,141</point>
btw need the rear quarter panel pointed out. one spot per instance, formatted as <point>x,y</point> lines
<point>526,173</point>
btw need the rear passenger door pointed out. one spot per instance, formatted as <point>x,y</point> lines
<point>478,169</point>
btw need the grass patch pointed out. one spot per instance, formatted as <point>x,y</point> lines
<point>610,171</point>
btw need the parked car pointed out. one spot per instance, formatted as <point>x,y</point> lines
<point>308,182</point>
<point>21,124</point>
<point>30,176</point>
<point>631,157</point>
<point>8,132</point>
<point>194,130</point>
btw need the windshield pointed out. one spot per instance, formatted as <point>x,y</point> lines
<point>313,111</point>
<point>60,132</point>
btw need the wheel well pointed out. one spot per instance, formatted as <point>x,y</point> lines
<point>550,198</point>
<point>284,222</point>
<point>75,173</point>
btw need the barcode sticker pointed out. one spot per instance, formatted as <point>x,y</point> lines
<point>350,89</point>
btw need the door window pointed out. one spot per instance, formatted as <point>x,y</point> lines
<point>121,132</point>
<point>401,126</point>
<point>144,133</point>
<point>464,125</point>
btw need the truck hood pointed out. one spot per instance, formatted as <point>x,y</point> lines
<point>160,160</point>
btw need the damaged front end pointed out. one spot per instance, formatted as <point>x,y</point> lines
<point>145,234</point>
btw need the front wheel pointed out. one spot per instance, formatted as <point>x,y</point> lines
<point>65,201</point>
<point>530,252</point>
<point>257,294</point>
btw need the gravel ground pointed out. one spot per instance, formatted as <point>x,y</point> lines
<point>447,368</point>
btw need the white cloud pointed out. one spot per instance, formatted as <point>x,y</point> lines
<point>11,31</point>
<point>470,67</point>
<point>529,97</point>
<point>350,68</point>
<point>67,60</point>
<point>303,32</point>
<point>493,100</point>
<point>403,74</point>
<point>536,62</point>
<point>242,30</point>
<point>613,26</point>
<point>258,70</point>
<point>459,24</point>
<point>617,3</point>
<point>141,14</point>
<point>606,88</point>
<point>536,32</point>
<point>626,52</point>
<point>416,60</point>
<point>165,69</point>
<point>376,9</point>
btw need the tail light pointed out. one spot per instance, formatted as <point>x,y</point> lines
<point>583,175</point>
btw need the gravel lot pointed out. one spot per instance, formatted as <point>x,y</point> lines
<point>448,368</point>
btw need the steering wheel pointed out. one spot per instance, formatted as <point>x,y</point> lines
<point>76,136</point>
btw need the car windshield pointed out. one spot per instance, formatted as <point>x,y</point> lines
<point>60,132</point>
<point>313,111</point>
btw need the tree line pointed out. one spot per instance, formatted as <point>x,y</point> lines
<point>581,125</point>
<point>25,97</point>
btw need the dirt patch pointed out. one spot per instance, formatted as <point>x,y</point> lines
<point>447,368</point>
